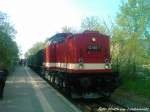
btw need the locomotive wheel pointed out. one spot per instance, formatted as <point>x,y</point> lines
<point>56,81</point>
<point>63,84</point>
<point>60,83</point>
<point>52,79</point>
<point>42,72</point>
<point>46,74</point>
<point>48,77</point>
<point>66,88</point>
<point>53,82</point>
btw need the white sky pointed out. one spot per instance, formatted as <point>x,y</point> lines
<point>35,20</point>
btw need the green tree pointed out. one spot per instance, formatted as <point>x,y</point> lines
<point>8,47</point>
<point>133,24</point>
<point>93,23</point>
<point>36,47</point>
<point>134,17</point>
<point>67,29</point>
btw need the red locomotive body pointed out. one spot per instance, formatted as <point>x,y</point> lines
<point>80,63</point>
<point>87,53</point>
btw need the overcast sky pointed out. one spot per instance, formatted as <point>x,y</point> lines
<point>35,20</point>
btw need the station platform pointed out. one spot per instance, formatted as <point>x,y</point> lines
<point>25,91</point>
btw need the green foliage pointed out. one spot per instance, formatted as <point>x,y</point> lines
<point>93,23</point>
<point>128,47</point>
<point>8,47</point>
<point>36,47</point>
<point>134,16</point>
<point>67,29</point>
<point>139,86</point>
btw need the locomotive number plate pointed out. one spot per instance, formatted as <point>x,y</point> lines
<point>93,48</point>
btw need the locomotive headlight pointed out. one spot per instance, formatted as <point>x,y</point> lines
<point>107,66</point>
<point>93,39</point>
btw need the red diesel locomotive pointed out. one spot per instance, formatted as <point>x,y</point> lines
<point>80,63</point>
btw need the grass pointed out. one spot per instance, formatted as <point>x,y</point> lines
<point>138,85</point>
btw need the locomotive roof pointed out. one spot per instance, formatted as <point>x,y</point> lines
<point>58,37</point>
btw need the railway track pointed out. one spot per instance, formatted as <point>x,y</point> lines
<point>100,105</point>
<point>103,105</point>
<point>92,105</point>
